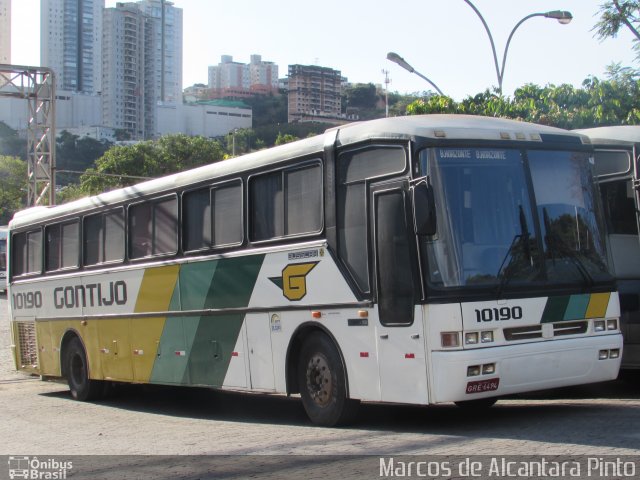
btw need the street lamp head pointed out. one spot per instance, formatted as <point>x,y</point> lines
<point>562,16</point>
<point>395,58</point>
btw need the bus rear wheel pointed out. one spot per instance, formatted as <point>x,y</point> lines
<point>77,369</point>
<point>322,381</point>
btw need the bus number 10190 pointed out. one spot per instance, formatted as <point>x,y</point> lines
<point>497,314</point>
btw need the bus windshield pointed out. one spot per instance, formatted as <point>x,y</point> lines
<point>510,218</point>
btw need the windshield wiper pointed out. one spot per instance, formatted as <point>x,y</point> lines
<point>557,244</point>
<point>506,274</point>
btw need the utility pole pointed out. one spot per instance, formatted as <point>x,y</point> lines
<point>387,81</point>
<point>37,86</point>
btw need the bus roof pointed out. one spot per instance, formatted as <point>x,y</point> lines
<point>611,135</point>
<point>451,127</point>
<point>440,127</point>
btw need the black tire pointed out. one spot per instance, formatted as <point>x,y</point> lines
<point>77,370</point>
<point>322,382</point>
<point>479,404</point>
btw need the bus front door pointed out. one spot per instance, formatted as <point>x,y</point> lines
<point>399,328</point>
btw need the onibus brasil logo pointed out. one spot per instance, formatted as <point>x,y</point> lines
<point>35,468</point>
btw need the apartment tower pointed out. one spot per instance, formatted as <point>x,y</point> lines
<point>314,93</point>
<point>142,59</point>
<point>71,43</point>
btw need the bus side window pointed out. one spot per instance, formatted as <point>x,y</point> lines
<point>227,219</point>
<point>286,203</point>
<point>103,236</point>
<point>27,253</point>
<point>62,247</point>
<point>212,217</point>
<point>153,228</point>
<point>354,169</point>
<point>619,205</point>
<point>196,219</point>
<point>395,282</point>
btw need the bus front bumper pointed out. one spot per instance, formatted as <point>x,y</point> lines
<point>523,368</point>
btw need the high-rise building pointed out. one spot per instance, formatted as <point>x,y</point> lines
<point>5,31</point>
<point>142,60</point>
<point>71,43</point>
<point>314,93</point>
<point>228,74</point>
<point>167,43</point>
<point>263,73</point>
<point>257,75</point>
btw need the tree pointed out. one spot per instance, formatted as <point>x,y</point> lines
<point>126,165</point>
<point>618,14</point>
<point>615,101</point>
<point>13,187</point>
<point>361,95</point>
<point>76,154</point>
<point>286,138</point>
<point>11,144</point>
<point>268,109</point>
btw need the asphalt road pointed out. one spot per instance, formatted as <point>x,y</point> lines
<point>40,419</point>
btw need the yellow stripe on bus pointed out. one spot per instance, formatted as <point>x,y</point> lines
<point>598,305</point>
<point>156,289</point>
<point>155,295</point>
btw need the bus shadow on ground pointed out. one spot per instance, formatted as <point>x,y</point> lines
<point>574,416</point>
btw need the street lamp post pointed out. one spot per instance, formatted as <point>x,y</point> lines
<point>561,16</point>
<point>395,58</point>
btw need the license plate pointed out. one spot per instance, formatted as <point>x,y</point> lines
<point>480,386</point>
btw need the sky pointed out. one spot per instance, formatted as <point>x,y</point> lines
<point>442,39</point>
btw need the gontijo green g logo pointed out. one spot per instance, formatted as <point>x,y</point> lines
<point>293,281</point>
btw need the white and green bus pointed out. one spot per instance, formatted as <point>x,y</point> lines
<point>617,157</point>
<point>415,260</point>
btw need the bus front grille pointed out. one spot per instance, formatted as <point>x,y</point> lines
<point>27,344</point>
<point>571,328</point>
<point>523,333</point>
<point>535,331</point>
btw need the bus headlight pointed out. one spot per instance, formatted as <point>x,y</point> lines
<point>612,324</point>
<point>471,338</point>
<point>473,371</point>
<point>599,326</point>
<point>488,368</point>
<point>486,336</point>
<point>450,339</point>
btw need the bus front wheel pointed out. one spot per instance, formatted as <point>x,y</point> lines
<point>322,381</point>
<point>77,369</point>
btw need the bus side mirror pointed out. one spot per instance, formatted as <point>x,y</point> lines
<point>424,209</point>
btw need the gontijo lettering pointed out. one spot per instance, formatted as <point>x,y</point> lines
<point>92,295</point>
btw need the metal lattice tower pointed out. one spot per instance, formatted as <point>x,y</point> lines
<point>37,86</point>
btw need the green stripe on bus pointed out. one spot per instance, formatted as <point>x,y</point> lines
<point>555,309</point>
<point>577,307</point>
<point>216,337</point>
<point>192,288</point>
